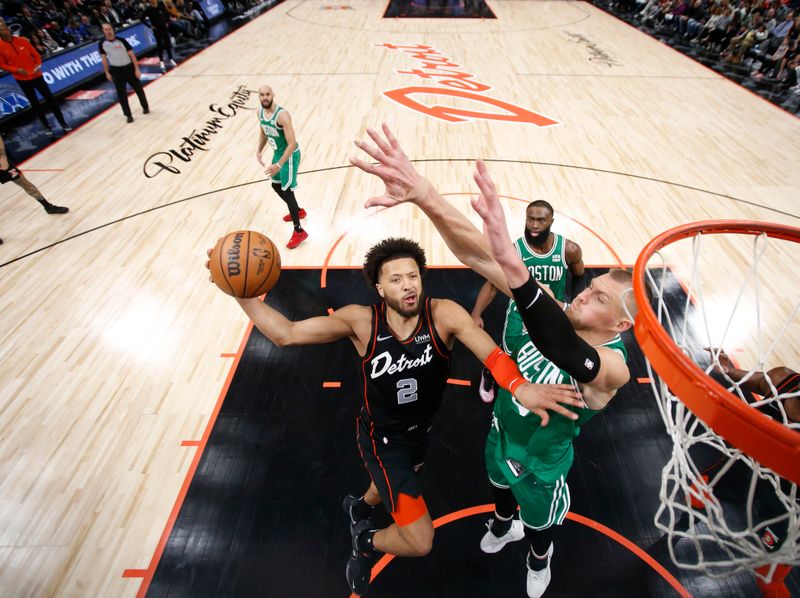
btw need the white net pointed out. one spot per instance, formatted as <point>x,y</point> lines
<point>722,510</point>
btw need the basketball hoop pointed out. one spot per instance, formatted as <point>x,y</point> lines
<point>704,415</point>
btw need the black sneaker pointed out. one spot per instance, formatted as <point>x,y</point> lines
<point>347,504</point>
<point>358,572</point>
<point>49,132</point>
<point>130,119</point>
<point>66,128</point>
<point>359,565</point>
<point>145,110</point>
<point>51,209</point>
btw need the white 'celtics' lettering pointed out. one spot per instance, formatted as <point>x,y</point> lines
<point>384,364</point>
<point>269,130</point>
<point>545,273</point>
<point>536,368</point>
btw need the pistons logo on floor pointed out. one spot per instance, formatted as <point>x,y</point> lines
<point>769,539</point>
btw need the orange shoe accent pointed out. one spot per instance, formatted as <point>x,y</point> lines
<point>301,214</point>
<point>296,239</point>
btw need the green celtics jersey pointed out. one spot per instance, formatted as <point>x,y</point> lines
<point>273,131</point>
<point>549,268</point>
<point>545,451</point>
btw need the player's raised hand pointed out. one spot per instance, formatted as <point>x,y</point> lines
<point>541,398</point>
<point>488,207</point>
<point>393,167</point>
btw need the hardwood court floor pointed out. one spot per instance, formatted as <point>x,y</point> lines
<point>114,346</point>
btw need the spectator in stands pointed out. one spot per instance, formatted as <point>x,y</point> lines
<point>691,17</point>
<point>193,16</point>
<point>28,22</point>
<point>92,31</point>
<point>782,29</point>
<point>741,44</point>
<point>74,33</point>
<point>771,61</point>
<point>178,26</point>
<point>109,15</point>
<point>48,42</point>
<point>19,58</point>
<point>57,34</point>
<point>38,45</point>
<point>676,13</point>
<point>770,21</point>
<point>710,24</point>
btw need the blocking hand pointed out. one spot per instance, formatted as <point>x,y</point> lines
<point>542,398</point>
<point>402,181</point>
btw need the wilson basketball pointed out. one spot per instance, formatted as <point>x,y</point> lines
<point>245,264</point>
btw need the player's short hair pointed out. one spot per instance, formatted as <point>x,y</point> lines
<point>625,277</point>
<point>388,250</point>
<point>540,203</point>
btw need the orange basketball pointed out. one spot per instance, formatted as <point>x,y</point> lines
<point>245,264</point>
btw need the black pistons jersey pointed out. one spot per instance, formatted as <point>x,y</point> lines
<point>402,380</point>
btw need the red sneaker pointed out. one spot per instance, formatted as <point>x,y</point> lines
<point>301,215</point>
<point>296,239</point>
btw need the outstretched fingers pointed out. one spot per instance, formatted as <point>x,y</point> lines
<point>374,152</point>
<point>378,140</point>
<point>391,139</point>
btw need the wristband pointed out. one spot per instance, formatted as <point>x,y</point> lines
<point>504,370</point>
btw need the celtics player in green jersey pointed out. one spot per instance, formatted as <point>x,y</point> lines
<point>275,128</point>
<point>527,461</point>
<point>548,256</point>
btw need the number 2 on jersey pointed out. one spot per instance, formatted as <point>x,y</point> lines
<point>406,390</point>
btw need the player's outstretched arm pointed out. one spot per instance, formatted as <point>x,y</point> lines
<point>403,184</point>
<point>312,331</point>
<point>452,320</point>
<point>347,322</point>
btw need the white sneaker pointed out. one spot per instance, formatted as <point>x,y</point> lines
<point>491,543</point>
<point>539,580</point>
<point>172,63</point>
<point>163,68</point>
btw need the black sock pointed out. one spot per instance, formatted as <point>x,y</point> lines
<point>365,541</point>
<point>361,509</point>
<point>540,541</point>
<point>505,504</point>
<point>287,195</point>
<point>535,563</point>
<point>500,527</point>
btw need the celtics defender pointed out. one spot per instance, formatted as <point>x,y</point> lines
<point>548,256</point>
<point>275,128</point>
<point>527,464</point>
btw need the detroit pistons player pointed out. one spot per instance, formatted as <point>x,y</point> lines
<point>404,342</point>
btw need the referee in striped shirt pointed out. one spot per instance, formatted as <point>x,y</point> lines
<point>121,67</point>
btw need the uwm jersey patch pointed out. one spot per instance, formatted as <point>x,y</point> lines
<point>403,379</point>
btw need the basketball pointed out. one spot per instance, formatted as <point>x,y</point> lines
<point>245,264</point>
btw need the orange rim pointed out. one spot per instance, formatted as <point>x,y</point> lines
<point>769,442</point>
